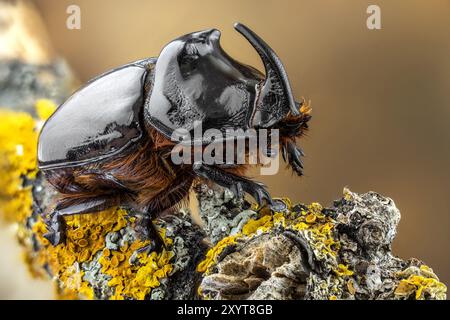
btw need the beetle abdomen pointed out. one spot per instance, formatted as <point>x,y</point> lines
<point>139,175</point>
<point>99,120</point>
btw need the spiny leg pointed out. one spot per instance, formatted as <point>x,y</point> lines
<point>147,230</point>
<point>163,201</point>
<point>86,190</point>
<point>56,224</point>
<point>235,183</point>
<point>292,155</point>
<point>291,128</point>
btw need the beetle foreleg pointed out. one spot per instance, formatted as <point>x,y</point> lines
<point>291,128</point>
<point>292,155</point>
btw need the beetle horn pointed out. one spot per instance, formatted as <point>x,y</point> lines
<point>275,94</point>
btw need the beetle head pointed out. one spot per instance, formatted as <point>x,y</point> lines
<point>195,79</point>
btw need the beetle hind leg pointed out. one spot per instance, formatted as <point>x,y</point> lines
<point>55,229</point>
<point>56,225</point>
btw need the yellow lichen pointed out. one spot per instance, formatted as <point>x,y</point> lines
<point>351,287</point>
<point>18,139</point>
<point>212,254</point>
<point>419,284</point>
<point>18,142</point>
<point>79,247</point>
<point>85,238</point>
<point>253,226</point>
<point>136,279</point>
<point>45,108</point>
<point>343,271</point>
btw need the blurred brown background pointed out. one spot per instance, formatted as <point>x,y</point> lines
<point>381,100</point>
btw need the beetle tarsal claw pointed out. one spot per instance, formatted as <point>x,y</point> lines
<point>148,232</point>
<point>237,190</point>
<point>56,229</point>
<point>145,249</point>
<point>259,193</point>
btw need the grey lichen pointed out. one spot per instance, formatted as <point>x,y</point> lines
<point>21,83</point>
<point>221,212</point>
<point>189,248</point>
<point>97,279</point>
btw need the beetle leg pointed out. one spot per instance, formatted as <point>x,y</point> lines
<point>56,224</point>
<point>293,154</point>
<point>160,203</point>
<point>148,231</point>
<point>56,229</point>
<point>233,182</point>
<point>291,128</point>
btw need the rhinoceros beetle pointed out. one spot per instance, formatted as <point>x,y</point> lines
<point>109,144</point>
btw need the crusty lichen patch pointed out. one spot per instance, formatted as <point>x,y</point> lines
<point>335,253</point>
<point>18,138</point>
<point>135,277</point>
<point>419,283</point>
<point>309,223</point>
<point>98,238</point>
<point>108,240</point>
<point>316,227</point>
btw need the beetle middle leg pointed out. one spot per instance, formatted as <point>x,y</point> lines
<point>148,231</point>
<point>161,202</point>
<point>235,183</point>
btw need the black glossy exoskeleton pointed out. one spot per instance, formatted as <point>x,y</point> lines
<point>109,143</point>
